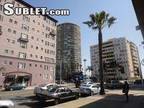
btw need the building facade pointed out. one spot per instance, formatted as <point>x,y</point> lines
<point>27,47</point>
<point>139,10</point>
<point>68,49</point>
<point>120,60</point>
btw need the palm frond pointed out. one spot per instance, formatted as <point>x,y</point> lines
<point>111,21</point>
<point>89,23</point>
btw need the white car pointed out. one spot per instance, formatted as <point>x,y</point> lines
<point>6,104</point>
<point>42,89</point>
<point>89,89</point>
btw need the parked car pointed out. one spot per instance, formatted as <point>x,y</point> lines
<point>6,104</point>
<point>59,93</point>
<point>41,89</point>
<point>15,86</point>
<point>89,89</point>
<point>114,85</point>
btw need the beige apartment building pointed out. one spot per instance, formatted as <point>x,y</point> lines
<point>27,47</point>
<point>120,60</point>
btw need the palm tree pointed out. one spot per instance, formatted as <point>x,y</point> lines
<point>97,22</point>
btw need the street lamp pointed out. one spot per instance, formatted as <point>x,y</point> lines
<point>84,66</point>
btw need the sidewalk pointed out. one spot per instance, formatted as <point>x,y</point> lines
<point>110,100</point>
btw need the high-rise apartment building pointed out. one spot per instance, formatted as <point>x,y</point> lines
<point>27,46</point>
<point>120,60</point>
<point>68,49</point>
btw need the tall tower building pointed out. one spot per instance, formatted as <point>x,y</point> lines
<point>120,60</point>
<point>68,49</point>
<point>27,46</point>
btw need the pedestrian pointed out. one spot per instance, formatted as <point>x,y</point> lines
<point>126,90</point>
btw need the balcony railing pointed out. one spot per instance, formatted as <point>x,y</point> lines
<point>23,39</point>
<point>52,33</point>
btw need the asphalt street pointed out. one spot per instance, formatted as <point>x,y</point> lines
<point>112,99</point>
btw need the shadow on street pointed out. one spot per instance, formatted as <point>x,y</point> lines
<point>117,101</point>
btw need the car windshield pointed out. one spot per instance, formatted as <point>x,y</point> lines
<point>86,85</point>
<point>52,88</point>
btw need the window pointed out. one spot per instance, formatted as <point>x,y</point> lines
<point>36,56</point>
<point>37,47</point>
<point>47,28</point>
<point>33,29</point>
<point>12,52</point>
<point>14,32</point>
<point>32,37</point>
<point>1,7</point>
<point>21,65</point>
<point>25,27</point>
<point>31,55</point>
<point>30,64</point>
<point>13,41</point>
<point>0,30</point>
<point>23,45</point>
<point>47,59</point>
<point>10,63</point>
<point>24,36</point>
<point>1,18</point>
<point>8,40</point>
<point>35,65</point>
<point>10,20</point>
<point>15,22</point>
<point>22,55</point>
<point>41,57</point>
<point>9,30</point>
<point>6,51</point>
<point>26,18</point>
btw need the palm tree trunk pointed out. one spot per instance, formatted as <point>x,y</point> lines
<point>100,63</point>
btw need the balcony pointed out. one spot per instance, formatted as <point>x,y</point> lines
<point>21,39</point>
<point>52,33</point>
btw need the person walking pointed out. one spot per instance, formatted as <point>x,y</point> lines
<point>126,90</point>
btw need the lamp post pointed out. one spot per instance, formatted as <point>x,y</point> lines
<point>84,66</point>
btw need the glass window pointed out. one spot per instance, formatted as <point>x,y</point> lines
<point>0,30</point>
<point>24,36</point>
<point>23,45</point>
<point>21,65</point>
<point>22,55</point>
<point>1,18</point>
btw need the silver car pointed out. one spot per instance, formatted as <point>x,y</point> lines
<point>7,104</point>
<point>89,89</point>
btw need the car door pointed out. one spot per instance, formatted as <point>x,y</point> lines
<point>62,93</point>
<point>94,88</point>
<point>69,93</point>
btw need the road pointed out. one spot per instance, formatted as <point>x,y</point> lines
<point>112,99</point>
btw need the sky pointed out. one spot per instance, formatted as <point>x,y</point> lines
<point>81,9</point>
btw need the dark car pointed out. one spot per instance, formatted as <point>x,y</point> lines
<point>15,86</point>
<point>114,85</point>
<point>59,94</point>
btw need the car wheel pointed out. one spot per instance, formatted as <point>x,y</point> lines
<point>92,93</point>
<point>57,101</point>
<point>11,89</point>
<point>77,96</point>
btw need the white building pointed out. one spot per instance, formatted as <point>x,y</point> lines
<point>120,60</point>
